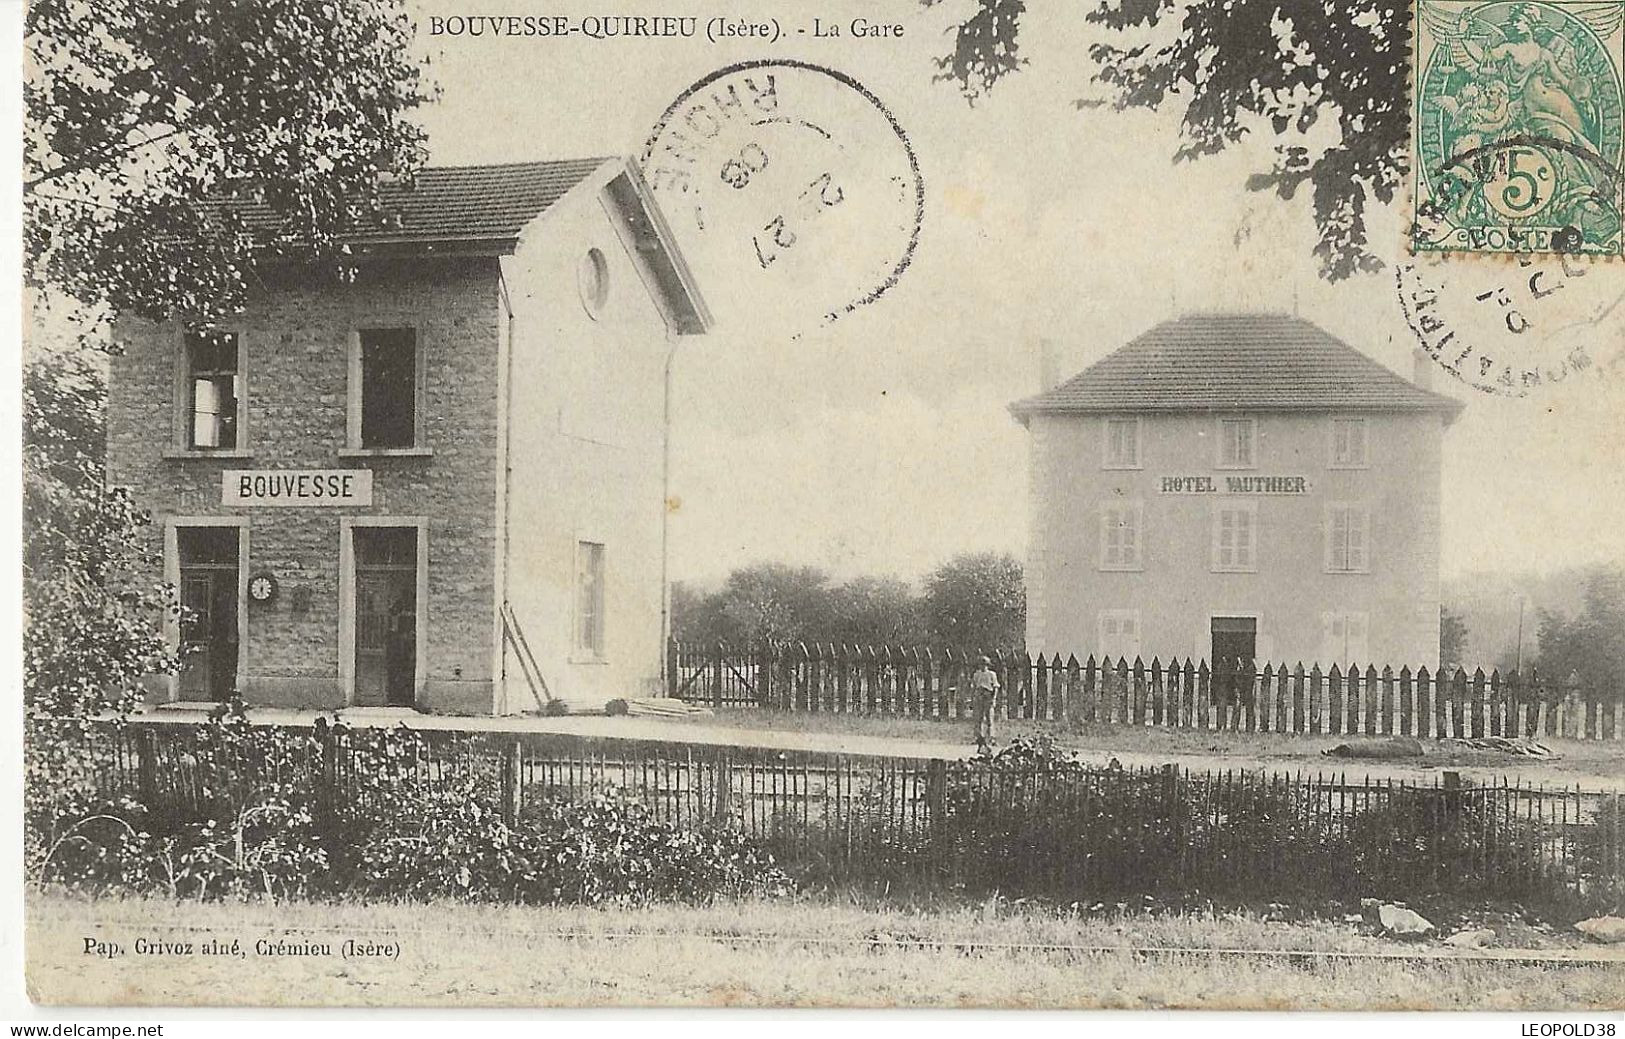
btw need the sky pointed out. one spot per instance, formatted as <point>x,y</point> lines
<point>881,443</point>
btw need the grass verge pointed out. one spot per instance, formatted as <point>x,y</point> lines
<point>813,951</point>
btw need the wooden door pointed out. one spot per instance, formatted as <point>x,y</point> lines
<point>386,616</point>
<point>1235,644</point>
<point>209,636</point>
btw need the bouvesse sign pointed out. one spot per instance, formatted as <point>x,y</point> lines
<point>296,487</point>
<point>1234,485</point>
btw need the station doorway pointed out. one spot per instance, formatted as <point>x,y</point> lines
<point>386,615</point>
<point>209,564</point>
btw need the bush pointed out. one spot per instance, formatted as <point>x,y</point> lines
<point>268,848</point>
<point>1033,820</point>
<point>74,832</point>
<point>1419,842</point>
<point>93,622</point>
<point>1066,824</point>
<point>253,820</point>
<point>252,837</point>
<point>248,812</point>
<point>446,843</point>
<point>610,848</point>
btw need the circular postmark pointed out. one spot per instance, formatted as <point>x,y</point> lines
<point>1519,127</point>
<point>1510,329</point>
<point>791,189</point>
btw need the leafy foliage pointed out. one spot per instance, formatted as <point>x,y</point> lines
<point>974,600</point>
<point>268,848</point>
<point>977,600</point>
<point>762,602</point>
<point>71,828</point>
<point>1452,638</point>
<point>985,46</point>
<point>93,623</point>
<point>451,843</point>
<point>1236,68</point>
<point>138,109</point>
<point>253,815</point>
<point>776,602</point>
<point>442,843</point>
<point>1590,645</point>
<point>1086,831</point>
<point>1024,801</point>
<point>874,610</point>
<point>261,820</point>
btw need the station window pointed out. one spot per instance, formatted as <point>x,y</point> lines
<point>1238,443</point>
<point>385,386</point>
<point>1120,540</point>
<point>589,640</point>
<point>214,386</point>
<point>1349,443</point>
<point>1235,537</point>
<point>1348,538</point>
<point>1122,443</point>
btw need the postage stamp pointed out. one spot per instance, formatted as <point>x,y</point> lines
<point>1517,113</point>
<point>793,189</point>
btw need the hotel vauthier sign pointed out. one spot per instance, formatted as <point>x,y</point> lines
<point>296,487</point>
<point>1234,485</point>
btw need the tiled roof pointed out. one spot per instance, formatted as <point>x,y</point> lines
<point>459,203</point>
<point>1226,362</point>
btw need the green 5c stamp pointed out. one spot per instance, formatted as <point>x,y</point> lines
<point>1517,111</point>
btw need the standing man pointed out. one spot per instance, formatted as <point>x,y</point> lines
<point>984,688</point>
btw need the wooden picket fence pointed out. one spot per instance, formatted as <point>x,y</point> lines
<point>1059,829</point>
<point>1238,695</point>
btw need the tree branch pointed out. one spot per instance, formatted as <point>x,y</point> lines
<point>91,162</point>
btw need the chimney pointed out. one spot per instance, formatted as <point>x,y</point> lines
<point>1049,375</point>
<point>1422,369</point>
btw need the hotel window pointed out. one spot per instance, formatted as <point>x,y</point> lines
<point>1120,536</point>
<point>1343,639</point>
<point>1235,537</point>
<point>385,386</point>
<point>1119,634</point>
<point>1238,443</point>
<point>1349,443</point>
<point>214,391</point>
<point>1122,443</point>
<point>1348,539</point>
<point>589,640</point>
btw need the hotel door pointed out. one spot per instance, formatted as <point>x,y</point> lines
<point>1235,644</point>
<point>208,586</point>
<point>386,620</point>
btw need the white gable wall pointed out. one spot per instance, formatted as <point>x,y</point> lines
<point>585,455</point>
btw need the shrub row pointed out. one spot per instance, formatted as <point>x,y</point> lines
<point>259,816</point>
<point>1032,820</point>
<point>281,836</point>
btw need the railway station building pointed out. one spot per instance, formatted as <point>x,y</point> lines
<point>438,484</point>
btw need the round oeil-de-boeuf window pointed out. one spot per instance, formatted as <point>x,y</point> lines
<point>592,278</point>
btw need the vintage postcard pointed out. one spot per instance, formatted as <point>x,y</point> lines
<point>958,503</point>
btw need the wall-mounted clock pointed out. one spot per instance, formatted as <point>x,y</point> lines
<point>262,588</point>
